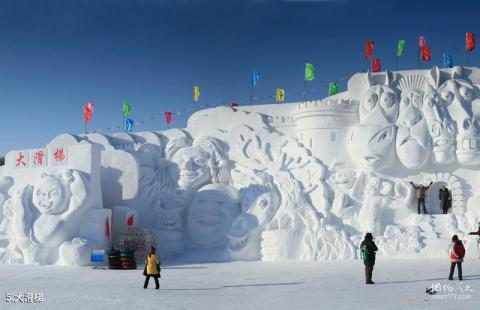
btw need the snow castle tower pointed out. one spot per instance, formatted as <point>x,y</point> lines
<point>321,126</point>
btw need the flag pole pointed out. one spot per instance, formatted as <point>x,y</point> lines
<point>418,57</point>
<point>251,94</point>
<point>305,90</point>
<point>123,116</point>
<point>467,56</point>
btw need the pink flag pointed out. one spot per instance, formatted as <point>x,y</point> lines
<point>421,41</point>
<point>168,118</point>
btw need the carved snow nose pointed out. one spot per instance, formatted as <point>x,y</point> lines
<point>408,118</point>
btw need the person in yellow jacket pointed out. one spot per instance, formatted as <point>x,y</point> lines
<point>152,268</point>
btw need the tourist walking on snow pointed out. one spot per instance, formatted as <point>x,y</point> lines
<point>456,257</point>
<point>368,251</point>
<point>445,199</point>
<point>420,191</point>
<point>152,268</point>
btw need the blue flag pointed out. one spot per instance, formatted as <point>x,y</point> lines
<point>129,125</point>
<point>255,78</point>
<point>447,61</point>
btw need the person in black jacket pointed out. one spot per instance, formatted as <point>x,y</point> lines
<point>370,248</point>
<point>445,199</point>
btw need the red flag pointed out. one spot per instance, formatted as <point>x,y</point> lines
<point>369,49</point>
<point>168,118</point>
<point>470,41</point>
<point>233,104</point>
<point>130,220</point>
<point>376,65</point>
<point>421,41</point>
<point>88,112</point>
<point>107,227</point>
<point>426,53</point>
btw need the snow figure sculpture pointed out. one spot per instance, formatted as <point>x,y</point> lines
<point>47,215</point>
<point>169,227</point>
<point>462,99</point>
<point>260,203</point>
<point>211,214</point>
<point>440,126</point>
<point>371,143</point>
<point>76,252</point>
<point>5,205</point>
<point>371,146</point>
<point>379,104</point>
<point>413,142</point>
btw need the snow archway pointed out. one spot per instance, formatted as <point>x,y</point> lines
<point>455,187</point>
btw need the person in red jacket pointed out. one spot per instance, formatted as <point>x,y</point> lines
<point>456,257</point>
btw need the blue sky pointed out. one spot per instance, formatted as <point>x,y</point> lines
<point>56,55</point>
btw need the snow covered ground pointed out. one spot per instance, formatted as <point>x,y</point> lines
<point>296,285</point>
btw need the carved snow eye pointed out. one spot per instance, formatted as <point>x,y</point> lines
<point>263,203</point>
<point>430,104</point>
<point>200,161</point>
<point>54,192</point>
<point>406,101</point>
<point>417,102</point>
<point>476,124</point>
<point>466,124</point>
<point>371,101</point>
<point>435,130</point>
<point>447,96</point>
<point>41,194</point>
<point>387,100</point>
<point>353,136</point>
<point>466,92</point>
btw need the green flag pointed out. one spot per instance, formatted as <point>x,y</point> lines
<point>400,47</point>
<point>309,72</point>
<point>127,109</point>
<point>333,89</point>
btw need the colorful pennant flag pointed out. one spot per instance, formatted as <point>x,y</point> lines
<point>196,93</point>
<point>333,89</point>
<point>88,112</point>
<point>369,49</point>
<point>309,72</point>
<point>280,95</point>
<point>255,78</point>
<point>421,41</point>
<point>168,118</point>
<point>376,65</point>
<point>400,47</point>
<point>128,125</point>
<point>470,41</point>
<point>127,108</point>
<point>426,53</point>
<point>447,61</point>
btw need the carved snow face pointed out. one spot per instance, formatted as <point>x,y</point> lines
<point>148,183</point>
<point>344,177</point>
<point>463,101</point>
<point>259,206</point>
<point>49,195</point>
<point>440,127</point>
<point>414,145</point>
<point>193,166</point>
<point>371,146</point>
<point>211,214</point>
<point>379,105</point>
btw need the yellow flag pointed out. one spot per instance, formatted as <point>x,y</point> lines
<point>196,93</point>
<point>280,94</point>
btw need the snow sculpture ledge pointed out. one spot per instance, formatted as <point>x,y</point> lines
<point>302,180</point>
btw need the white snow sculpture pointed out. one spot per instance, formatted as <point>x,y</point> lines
<point>58,202</point>
<point>413,143</point>
<point>267,166</point>
<point>211,214</point>
<point>76,252</point>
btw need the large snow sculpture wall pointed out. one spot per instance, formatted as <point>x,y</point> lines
<point>267,182</point>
